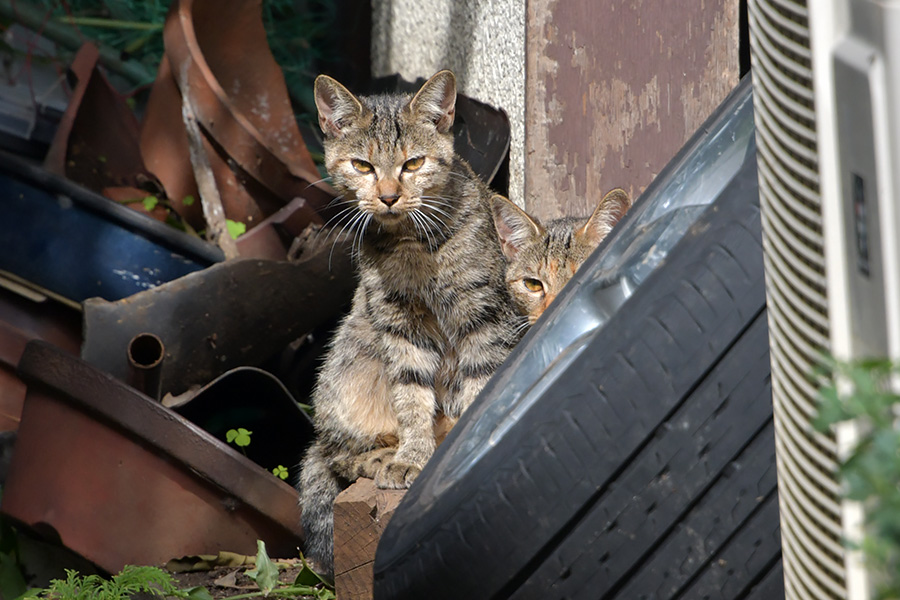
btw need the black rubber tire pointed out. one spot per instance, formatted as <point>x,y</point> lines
<point>646,471</point>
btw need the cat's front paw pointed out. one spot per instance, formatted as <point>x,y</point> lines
<point>397,475</point>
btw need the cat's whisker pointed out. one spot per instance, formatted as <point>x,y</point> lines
<point>362,232</point>
<point>435,206</point>
<point>358,237</point>
<point>435,223</point>
<point>414,219</point>
<point>359,227</point>
<point>341,217</point>
<point>318,181</point>
<point>339,200</point>
<point>335,200</point>
<point>522,326</point>
<point>438,220</point>
<point>419,217</point>
<point>351,202</point>
<point>462,176</point>
<point>448,202</point>
<point>351,224</point>
<point>440,210</point>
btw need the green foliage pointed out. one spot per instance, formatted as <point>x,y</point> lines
<point>12,578</point>
<point>266,572</point>
<point>239,437</point>
<point>235,228</point>
<point>309,578</point>
<point>150,203</point>
<point>154,581</point>
<point>131,580</point>
<point>299,34</point>
<point>12,582</point>
<point>307,582</point>
<point>860,391</point>
<point>280,471</point>
<point>188,200</point>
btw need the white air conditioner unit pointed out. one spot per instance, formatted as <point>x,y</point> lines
<point>826,78</point>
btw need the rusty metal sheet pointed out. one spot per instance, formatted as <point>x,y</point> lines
<point>96,143</point>
<point>22,320</point>
<point>614,89</point>
<point>217,53</point>
<point>232,314</point>
<point>123,480</point>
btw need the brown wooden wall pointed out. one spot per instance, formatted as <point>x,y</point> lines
<point>614,88</point>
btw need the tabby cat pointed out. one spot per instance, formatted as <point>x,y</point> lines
<point>431,318</point>
<point>541,260</point>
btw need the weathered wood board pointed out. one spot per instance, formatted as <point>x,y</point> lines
<point>613,90</point>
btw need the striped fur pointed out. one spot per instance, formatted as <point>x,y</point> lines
<point>542,259</point>
<point>431,319</point>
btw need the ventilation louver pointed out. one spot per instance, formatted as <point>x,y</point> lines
<point>796,295</point>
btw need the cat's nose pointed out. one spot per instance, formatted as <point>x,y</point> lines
<point>390,199</point>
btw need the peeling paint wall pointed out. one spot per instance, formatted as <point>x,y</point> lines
<point>614,89</point>
<point>481,41</point>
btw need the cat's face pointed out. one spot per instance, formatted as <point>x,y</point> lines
<point>390,155</point>
<point>542,259</point>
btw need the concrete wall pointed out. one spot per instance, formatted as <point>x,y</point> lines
<point>481,41</point>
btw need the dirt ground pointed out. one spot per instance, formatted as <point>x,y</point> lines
<point>224,582</point>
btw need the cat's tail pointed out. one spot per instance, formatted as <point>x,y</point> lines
<point>319,487</point>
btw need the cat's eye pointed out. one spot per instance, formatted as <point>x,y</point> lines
<point>362,166</point>
<point>413,164</point>
<point>533,285</point>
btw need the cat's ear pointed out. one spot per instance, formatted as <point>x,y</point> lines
<point>514,226</point>
<point>436,101</point>
<point>609,211</point>
<point>338,108</point>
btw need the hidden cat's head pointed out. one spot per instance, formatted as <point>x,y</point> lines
<point>542,259</point>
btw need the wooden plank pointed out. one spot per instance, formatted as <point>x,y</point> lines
<point>613,89</point>
<point>361,512</point>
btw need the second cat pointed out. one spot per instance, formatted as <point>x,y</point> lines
<point>542,259</point>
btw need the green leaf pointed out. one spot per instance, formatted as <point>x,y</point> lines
<point>238,437</point>
<point>280,471</point>
<point>243,438</point>
<point>188,200</point>
<point>862,391</point>
<point>325,594</point>
<point>266,572</point>
<point>150,202</point>
<point>235,228</point>
<point>12,582</point>
<point>197,593</point>
<point>307,576</point>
